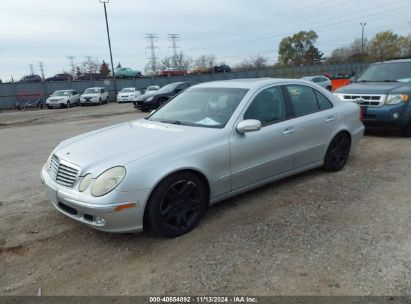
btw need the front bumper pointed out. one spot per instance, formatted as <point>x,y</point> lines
<point>393,117</point>
<point>125,99</point>
<point>98,213</point>
<point>146,105</point>
<point>89,100</point>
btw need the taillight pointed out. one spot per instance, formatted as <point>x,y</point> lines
<point>361,114</point>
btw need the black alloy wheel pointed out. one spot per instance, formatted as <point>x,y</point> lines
<point>177,204</point>
<point>338,152</point>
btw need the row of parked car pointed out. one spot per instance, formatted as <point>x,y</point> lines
<point>127,73</point>
<point>94,96</point>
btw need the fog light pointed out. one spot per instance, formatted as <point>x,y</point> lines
<point>100,220</point>
<point>396,115</point>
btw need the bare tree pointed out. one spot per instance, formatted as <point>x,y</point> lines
<point>90,65</point>
<point>179,61</point>
<point>252,63</point>
<point>207,61</point>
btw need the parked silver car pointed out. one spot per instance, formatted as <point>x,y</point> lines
<point>211,142</point>
<point>63,98</point>
<point>322,81</point>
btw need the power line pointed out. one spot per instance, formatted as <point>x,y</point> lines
<point>153,58</point>
<point>272,35</point>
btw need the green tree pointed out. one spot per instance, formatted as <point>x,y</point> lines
<point>384,45</point>
<point>299,49</point>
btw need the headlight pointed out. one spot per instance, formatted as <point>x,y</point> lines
<point>48,162</point>
<point>339,95</point>
<point>85,182</point>
<point>396,99</point>
<point>150,98</point>
<point>107,181</point>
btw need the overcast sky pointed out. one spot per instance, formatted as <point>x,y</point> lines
<point>50,30</point>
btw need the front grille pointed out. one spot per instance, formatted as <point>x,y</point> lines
<point>63,172</point>
<point>366,99</point>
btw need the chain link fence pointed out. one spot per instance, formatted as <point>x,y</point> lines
<point>10,92</point>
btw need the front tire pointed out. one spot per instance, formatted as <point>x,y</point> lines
<point>177,204</point>
<point>68,105</point>
<point>337,152</point>
<point>407,130</point>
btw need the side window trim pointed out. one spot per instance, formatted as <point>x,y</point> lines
<point>289,99</point>
<point>316,92</point>
<point>280,90</point>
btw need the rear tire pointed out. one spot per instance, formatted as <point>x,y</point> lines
<point>177,204</point>
<point>337,152</point>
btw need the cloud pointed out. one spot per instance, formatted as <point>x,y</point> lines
<point>50,30</point>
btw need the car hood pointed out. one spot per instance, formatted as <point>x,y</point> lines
<point>57,97</point>
<point>373,88</point>
<point>90,95</point>
<point>145,96</point>
<point>121,144</point>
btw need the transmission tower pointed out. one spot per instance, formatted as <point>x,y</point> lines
<point>153,59</point>
<point>31,69</point>
<point>174,38</point>
<point>41,66</point>
<point>73,69</point>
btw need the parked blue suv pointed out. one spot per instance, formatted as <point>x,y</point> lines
<point>383,91</point>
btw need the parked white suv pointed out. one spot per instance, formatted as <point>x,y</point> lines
<point>96,95</point>
<point>128,95</point>
<point>63,98</point>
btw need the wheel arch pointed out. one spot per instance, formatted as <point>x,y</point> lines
<point>197,172</point>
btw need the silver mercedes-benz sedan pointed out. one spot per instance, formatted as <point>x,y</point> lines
<point>211,142</point>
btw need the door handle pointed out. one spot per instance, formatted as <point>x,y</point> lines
<point>288,131</point>
<point>330,118</point>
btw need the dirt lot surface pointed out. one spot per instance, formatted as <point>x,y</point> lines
<point>346,233</point>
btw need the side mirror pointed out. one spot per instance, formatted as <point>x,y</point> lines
<point>249,125</point>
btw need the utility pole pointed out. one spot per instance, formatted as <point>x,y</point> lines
<point>109,44</point>
<point>174,38</point>
<point>362,40</point>
<point>71,58</point>
<point>153,59</point>
<point>41,66</point>
<point>31,69</point>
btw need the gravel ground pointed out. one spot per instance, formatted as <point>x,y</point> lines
<point>345,233</point>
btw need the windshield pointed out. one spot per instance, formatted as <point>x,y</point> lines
<point>170,87</point>
<point>400,71</point>
<point>60,93</point>
<point>203,107</point>
<point>127,90</point>
<point>92,91</point>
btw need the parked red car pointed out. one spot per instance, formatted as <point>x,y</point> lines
<point>171,72</point>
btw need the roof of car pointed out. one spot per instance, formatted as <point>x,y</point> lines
<point>397,60</point>
<point>249,83</point>
<point>95,88</point>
